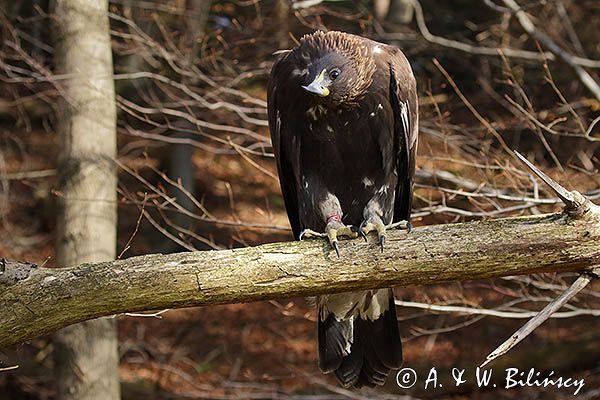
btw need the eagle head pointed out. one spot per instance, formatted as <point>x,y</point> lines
<point>340,67</point>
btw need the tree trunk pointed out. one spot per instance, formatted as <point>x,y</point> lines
<point>86,358</point>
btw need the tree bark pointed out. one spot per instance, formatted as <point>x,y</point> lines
<point>36,301</point>
<point>86,358</point>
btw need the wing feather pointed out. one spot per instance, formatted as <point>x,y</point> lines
<point>283,140</point>
<point>403,98</point>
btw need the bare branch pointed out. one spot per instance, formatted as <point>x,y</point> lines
<point>496,312</point>
<point>468,48</point>
<point>577,286</point>
<point>573,61</point>
<point>493,51</point>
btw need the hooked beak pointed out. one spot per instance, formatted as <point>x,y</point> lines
<point>318,86</point>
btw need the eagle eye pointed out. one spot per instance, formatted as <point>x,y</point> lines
<point>334,73</point>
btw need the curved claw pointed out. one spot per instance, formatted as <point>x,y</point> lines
<point>332,236</point>
<point>336,247</point>
<point>375,224</point>
<point>362,232</point>
<point>332,230</point>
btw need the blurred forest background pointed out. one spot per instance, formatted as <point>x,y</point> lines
<point>196,172</point>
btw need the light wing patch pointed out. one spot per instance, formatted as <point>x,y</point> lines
<point>377,305</point>
<point>348,306</point>
<point>404,116</point>
<point>379,107</point>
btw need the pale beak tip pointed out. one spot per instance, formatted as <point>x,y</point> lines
<point>319,90</point>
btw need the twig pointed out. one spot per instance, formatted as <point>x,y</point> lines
<point>564,16</point>
<point>471,108</point>
<point>137,227</point>
<point>442,209</point>
<point>157,314</point>
<point>490,51</point>
<point>468,48</point>
<point>45,173</point>
<point>541,37</point>
<point>591,126</point>
<point>252,162</point>
<point>498,194</point>
<point>496,7</point>
<point>446,176</point>
<point>493,312</point>
<point>543,315</point>
<point>419,332</point>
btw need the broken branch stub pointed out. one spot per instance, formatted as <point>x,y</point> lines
<point>576,204</point>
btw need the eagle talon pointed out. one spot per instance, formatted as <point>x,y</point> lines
<point>363,234</point>
<point>332,231</point>
<point>336,247</point>
<point>335,229</point>
<point>375,224</point>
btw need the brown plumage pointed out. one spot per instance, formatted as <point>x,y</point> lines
<point>343,120</point>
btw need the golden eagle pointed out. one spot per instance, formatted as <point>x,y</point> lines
<point>343,121</point>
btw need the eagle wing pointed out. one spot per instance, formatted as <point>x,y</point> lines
<point>403,99</point>
<point>284,138</point>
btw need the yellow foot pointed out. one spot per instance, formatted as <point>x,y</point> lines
<point>332,231</point>
<point>376,224</point>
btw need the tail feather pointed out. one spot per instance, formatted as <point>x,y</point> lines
<point>371,376</point>
<point>348,373</point>
<point>361,351</point>
<point>334,337</point>
<point>387,332</point>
